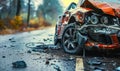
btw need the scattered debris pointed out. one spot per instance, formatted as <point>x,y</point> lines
<point>50,46</point>
<point>53,47</point>
<point>3,57</point>
<point>94,62</point>
<point>5,46</point>
<point>117,69</point>
<point>41,47</point>
<point>50,58</point>
<point>47,62</point>
<point>44,39</point>
<point>12,46</point>
<point>19,64</point>
<point>12,40</point>
<point>69,59</point>
<point>56,67</point>
<point>29,51</point>
<point>39,50</point>
<point>99,69</point>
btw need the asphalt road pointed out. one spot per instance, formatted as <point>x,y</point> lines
<point>22,47</point>
<point>18,47</point>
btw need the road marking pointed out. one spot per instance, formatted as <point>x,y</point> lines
<point>79,64</point>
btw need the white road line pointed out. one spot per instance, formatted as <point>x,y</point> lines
<point>79,64</point>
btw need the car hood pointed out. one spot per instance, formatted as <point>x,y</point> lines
<point>111,8</point>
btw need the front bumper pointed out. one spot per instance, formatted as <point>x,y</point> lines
<point>115,44</point>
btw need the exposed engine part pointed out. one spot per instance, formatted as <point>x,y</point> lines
<point>99,34</point>
<point>102,30</point>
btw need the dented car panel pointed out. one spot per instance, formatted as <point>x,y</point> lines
<point>106,7</point>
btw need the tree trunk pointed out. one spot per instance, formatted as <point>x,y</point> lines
<point>28,16</point>
<point>18,8</point>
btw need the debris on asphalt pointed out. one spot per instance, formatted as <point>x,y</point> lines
<point>19,64</point>
<point>69,59</point>
<point>29,51</point>
<point>12,40</point>
<point>12,46</point>
<point>39,50</point>
<point>56,67</point>
<point>3,57</point>
<point>5,46</point>
<point>117,69</point>
<point>44,48</point>
<point>44,39</point>
<point>53,47</point>
<point>50,58</point>
<point>41,47</point>
<point>47,62</point>
<point>94,62</point>
<point>99,69</point>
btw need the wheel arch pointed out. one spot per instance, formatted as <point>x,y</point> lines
<point>71,20</point>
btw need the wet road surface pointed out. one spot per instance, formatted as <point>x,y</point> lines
<point>20,47</point>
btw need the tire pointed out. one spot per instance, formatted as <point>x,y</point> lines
<point>69,40</point>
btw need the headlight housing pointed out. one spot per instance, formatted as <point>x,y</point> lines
<point>104,20</point>
<point>94,19</point>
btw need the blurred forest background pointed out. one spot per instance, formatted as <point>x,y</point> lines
<point>22,15</point>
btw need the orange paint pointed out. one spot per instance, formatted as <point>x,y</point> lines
<point>115,43</point>
<point>108,8</point>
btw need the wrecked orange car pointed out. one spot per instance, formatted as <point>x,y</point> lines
<point>90,24</point>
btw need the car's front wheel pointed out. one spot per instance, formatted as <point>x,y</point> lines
<point>69,40</point>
